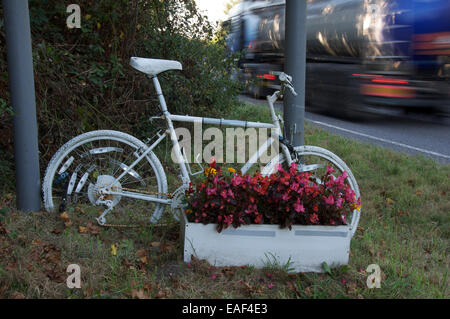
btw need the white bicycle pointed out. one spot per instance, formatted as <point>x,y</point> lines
<point>110,171</point>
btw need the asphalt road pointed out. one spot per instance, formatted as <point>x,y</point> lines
<point>419,135</point>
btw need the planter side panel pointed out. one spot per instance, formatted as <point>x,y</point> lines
<point>305,248</point>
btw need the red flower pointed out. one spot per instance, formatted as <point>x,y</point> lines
<point>314,218</point>
<point>228,219</point>
<point>212,162</point>
<point>316,208</point>
<point>293,169</point>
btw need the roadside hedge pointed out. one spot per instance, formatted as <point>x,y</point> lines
<point>84,82</point>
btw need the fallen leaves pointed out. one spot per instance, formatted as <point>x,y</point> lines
<point>292,287</point>
<point>142,256</point>
<point>250,289</point>
<point>56,231</point>
<point>89,229</point>
<point>93,229</point>
<point>155,244</point>
<point>82,230</point>
<point>401,213</point>
<point>3,230</point>
<point>17,295</point>
<point>12,265</point>
<point>48,257</point>
<point>351,288</point>
<point>66,218</point>
<point>138,294</point>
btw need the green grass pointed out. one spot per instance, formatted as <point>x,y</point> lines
<point>404,228</point>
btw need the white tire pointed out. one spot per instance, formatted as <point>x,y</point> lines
<point>102,156</point>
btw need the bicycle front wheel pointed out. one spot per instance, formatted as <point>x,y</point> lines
<point>94,160</point>
<point>316,159</point>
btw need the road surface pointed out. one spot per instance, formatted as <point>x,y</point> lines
<point>424,136</point>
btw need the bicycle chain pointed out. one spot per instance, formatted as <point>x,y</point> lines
<point>170,195</point>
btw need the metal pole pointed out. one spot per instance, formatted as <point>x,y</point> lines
<point>295,65</point>
<point>21,83</point>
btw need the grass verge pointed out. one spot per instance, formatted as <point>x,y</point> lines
<point>404,228</point>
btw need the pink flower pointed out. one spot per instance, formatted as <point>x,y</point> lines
<point>237,180</point>
<point>330,170</point>
<point>329,200</point>
<point>228,219</point>
<point>211,191</point>
<point>285,196</point>
<point>270,285</point>
<point>224,193</point>
<point>213,276</point>
<point>339,182</point>
<point>293,169</point>
<point>299,207</point>
<point>349,195</point>
<point>339,202</point>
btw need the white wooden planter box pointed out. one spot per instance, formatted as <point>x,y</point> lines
<point>304,247</point>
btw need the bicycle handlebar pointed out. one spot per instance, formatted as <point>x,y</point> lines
<point>286,81</point>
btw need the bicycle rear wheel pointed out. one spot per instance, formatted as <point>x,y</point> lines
<point>316,159</point>
<point>95,159</point>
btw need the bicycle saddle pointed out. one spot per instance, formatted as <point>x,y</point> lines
<point>153,67</point>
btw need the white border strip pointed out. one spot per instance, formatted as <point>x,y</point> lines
<point>380,139</point>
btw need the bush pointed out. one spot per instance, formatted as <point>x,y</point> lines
<point>82,78</point>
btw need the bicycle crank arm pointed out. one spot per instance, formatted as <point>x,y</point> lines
<point>101,219</point>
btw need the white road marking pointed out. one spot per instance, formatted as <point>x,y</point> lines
<point>380,139</point>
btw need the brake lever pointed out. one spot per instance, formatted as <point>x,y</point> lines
<point>290,87</point>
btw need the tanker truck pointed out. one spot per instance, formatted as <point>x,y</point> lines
<point>362,56</point>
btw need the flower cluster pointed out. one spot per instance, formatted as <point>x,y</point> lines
<point>284,198</point>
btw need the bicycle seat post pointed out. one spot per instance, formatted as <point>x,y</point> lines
<point>159,93</point>
<point>171,131</point>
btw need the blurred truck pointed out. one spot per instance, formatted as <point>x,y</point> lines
<point>373,56</point>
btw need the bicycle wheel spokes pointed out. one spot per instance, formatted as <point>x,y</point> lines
<point>90,165</point>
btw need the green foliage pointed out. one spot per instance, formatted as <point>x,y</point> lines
<point>82,78</point>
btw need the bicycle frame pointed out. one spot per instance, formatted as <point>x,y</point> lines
<point>275,125</point>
